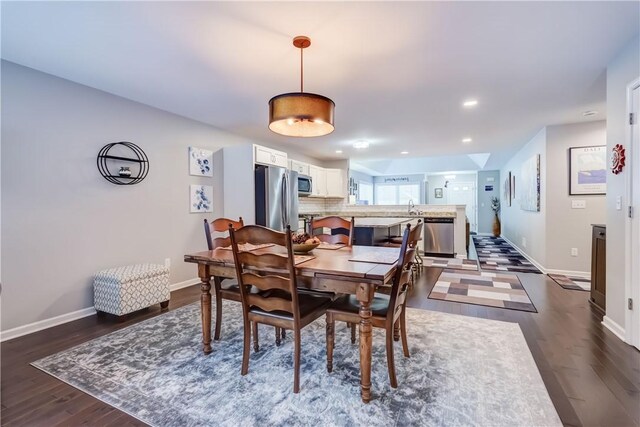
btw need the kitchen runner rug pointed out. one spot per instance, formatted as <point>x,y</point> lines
<point>573,283</point>
<point>455,263</point>
<point>462,371</point>
<point>502,290</point>
<point>494,253</point>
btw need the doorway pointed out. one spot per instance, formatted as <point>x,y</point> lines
<point>634,206</point>
<point>464,193</point>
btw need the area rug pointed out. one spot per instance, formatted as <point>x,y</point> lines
<point>502,290</point>
<point>455,263</point>
<point>494,253</point>
<point>571,282</point>
<point>462,372</point>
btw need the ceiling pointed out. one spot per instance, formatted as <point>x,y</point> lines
<point>398,72</point>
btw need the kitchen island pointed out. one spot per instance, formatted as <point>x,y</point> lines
<point>364,214</point>
<point>375,231</point>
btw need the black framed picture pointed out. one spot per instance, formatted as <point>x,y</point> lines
<point>437,193</point>
<point>588,170</point>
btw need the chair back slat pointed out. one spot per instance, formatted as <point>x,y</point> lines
<point>333,223</point>
<point>266,282</point>
<point>402,275</point>
<point>220,225</point>
<point>270,303</point>
<point>269,260</point>
<point>278,291</point>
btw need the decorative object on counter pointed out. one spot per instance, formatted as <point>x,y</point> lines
<point>301,114</point>
<point>530,197</point>
<point>503,290</point>
<point>506,189</point>
<point>618,158</point>
<point>437,193</point>
<point>111,156</point>
<point>124,171</point>
<point>200,162</point>
<point>495,207</point>
<point>588,170</point>
<point>201,197</point>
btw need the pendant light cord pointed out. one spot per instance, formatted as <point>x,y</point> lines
<point>301,70</point>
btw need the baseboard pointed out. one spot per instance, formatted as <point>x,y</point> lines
<point>616,329</point>
<point>45,324</point>
<point>184,284</point>
<point>69,317</point>
<point>524,254</point>
<point>570,273</point>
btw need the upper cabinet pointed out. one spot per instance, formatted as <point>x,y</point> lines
<point>318,181</point>
<point>268,156</point>
<point>300,167</point>
<point>335,183</point>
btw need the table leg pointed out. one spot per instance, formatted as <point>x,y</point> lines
<point>365,296</point>
<point>205,306</point>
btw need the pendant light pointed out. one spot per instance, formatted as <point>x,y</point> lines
<point>301,114</point>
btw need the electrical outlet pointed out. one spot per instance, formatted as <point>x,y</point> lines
<point>167,262</point>
<point>524,242</point>
<point>574,251</point>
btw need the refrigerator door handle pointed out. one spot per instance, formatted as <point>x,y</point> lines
<point>287,201</point>
<point>283,203</point>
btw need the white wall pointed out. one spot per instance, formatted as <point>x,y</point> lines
<point>527,230</point>
<point>621,71</point>
<point>61,220</point>
<point>566,227</point>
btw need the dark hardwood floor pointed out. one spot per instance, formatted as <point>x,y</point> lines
<point>593,378</point>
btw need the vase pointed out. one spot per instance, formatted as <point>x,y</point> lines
<point>496,226</point>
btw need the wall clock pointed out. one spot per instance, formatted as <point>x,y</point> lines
<point>617,159</point>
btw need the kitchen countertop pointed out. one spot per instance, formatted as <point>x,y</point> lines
<point>380,222</point>
<point>389,214</point>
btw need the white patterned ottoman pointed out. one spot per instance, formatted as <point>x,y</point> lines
<point>123,290</point>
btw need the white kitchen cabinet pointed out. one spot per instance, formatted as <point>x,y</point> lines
<point>300,167</point>
<point>318,181</point>
<point>268,156</point>
<point>335,184</point>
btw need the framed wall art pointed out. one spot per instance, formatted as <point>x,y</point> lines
<point>588,170</point>
<point>437,193</point>
<point>530,184</point>
<point>200,198</point>
<point>506,189</point>
<point>200,162</point>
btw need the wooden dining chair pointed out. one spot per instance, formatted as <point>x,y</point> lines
<point>417,264</point>
<point>277,303</point>
<point>335,224</point>
<point>386,310</point>
<point>224,288</point>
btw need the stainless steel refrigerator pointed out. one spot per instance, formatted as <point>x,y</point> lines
<point>276,197</point>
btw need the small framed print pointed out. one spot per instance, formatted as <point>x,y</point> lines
<point>200,162</point>
<point>437,193</point>
<point>588,170</point>
<point>200,198</point>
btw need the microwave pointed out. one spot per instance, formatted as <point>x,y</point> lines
<point>304,185</point>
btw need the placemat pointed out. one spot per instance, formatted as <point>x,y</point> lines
<point>331,246</point>
<point>248,247</point>
<point>299,259</point>
<point>376,257</point>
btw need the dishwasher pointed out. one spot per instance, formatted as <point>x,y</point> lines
<point>438,236</point>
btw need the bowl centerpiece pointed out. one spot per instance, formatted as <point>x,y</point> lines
<point>303,243</point>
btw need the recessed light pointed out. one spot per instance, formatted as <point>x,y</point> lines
<point>589,113</point>
<point>361,144</point>
<point>404,152</point>
<point>466,140</point>
<point>470,103</point>
<point>338,151</point>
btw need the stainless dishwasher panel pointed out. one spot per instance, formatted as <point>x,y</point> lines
<point>438,236</point>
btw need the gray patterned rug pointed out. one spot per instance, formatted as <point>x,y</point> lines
<point>462,371</point>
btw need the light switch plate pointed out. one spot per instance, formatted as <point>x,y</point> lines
<point>619,203</point>
<point>574,251</point>
<point>578,204</point>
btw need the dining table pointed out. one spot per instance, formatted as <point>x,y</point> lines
<point>354,270</point>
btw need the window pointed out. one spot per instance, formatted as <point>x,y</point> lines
<point>397,194</point>
<point>365,193</point>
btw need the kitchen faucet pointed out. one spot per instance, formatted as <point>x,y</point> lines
<point>411,208</point>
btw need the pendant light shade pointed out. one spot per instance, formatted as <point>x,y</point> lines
<point>301,114</point>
